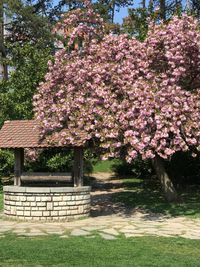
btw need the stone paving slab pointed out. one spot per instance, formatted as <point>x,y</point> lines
<point>107,236</point>
<point>110,231</point>
<point>108,227</point>
<point>79,232</point>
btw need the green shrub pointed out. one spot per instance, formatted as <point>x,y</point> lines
<point>51,160</point>
<point>6,163</point>
<point>58,160</point>
<point>138,168</point>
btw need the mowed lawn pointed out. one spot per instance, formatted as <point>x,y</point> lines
<point>103,166</point>
<point>96,252</point>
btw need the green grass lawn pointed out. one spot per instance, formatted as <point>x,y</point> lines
<point>96,252</point>
<point>147,194</point>
<point>103,166</point>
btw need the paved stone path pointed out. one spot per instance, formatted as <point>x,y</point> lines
<point>109,223</point>
<point>108,227</point>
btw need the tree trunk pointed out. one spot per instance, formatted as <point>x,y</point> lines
<point>3,65</point>
<point>150,6</point>
<point>166,183</point>
<point>188,5</point>
<point>163,10</point>
<point>143,3</point>
<point>112,11</point>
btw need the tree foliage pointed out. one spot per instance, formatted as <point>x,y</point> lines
<point>139,97</point>
<point>28,44</point>
<point>6,163</point>
<point>29,65</point>
<point>136,23</point>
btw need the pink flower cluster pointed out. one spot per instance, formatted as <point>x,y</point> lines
<point>80,24</point>
<point>142,97</point>
<point>32,154</point>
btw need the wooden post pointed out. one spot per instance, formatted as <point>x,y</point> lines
<point>78,166</point>
<point>19,162</point>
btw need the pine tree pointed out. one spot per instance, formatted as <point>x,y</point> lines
<point>113,6</point>
<point>195,5</point>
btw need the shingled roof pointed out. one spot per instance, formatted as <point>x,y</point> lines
<point>21,134</point>
<point>26,134</point>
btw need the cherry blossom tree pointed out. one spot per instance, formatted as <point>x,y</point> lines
<point>142,98</point>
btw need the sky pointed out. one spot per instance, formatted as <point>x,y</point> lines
<point>120,15</point>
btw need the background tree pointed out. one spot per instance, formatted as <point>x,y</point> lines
<point>3,65</point>
<point>115,5</point>
<point>106,8</point>
<point>193,7</point>
<point>136,23</point>
<point>29,67</point>
<point>28,44</point>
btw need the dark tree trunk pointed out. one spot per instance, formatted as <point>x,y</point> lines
<point>3,65</point>
<point>112,11</point>
<point>166,183</point>
<point>188,5</point>
<point>143,3</point>
<point>163,9</point>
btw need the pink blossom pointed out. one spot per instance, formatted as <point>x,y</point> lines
<point>143,97</point>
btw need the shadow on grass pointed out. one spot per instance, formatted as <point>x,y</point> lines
<point>147,195</point>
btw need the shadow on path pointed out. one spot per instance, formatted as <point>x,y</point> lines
<point>125,197</point>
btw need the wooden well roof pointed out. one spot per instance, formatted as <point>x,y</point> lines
<point>21,134</point>
<point>26,134</point>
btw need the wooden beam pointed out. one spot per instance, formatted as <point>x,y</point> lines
<point>19,163</point>
<point>78,166</point>
<point>46,177</point>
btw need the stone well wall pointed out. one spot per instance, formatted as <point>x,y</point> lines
<point>46,203</point>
